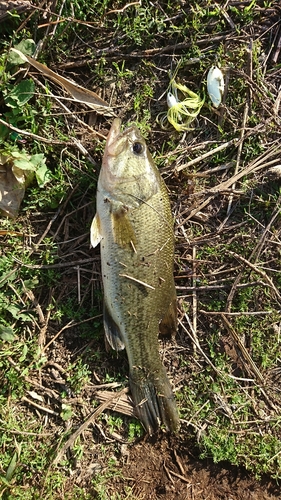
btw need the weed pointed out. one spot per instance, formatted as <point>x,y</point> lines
<point>114,423</point>
<point>122,73</point>
<point>135,430</point>
<point>79,375</point>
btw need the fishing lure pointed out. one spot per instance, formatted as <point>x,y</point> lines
<point>181,114</point>
<point>215,85</point>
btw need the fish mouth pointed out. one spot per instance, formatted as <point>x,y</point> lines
<point>117,141</point>
<point>111,141</point>
<point>114,132</point>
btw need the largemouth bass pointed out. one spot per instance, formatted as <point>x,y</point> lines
<point>134,226</point>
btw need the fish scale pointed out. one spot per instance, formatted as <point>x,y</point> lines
<point>134,226</point>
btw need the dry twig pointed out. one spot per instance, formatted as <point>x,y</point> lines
<point>258,271</point>
<point>247,360</point>
<point>86,424</point>
<point>122,405</point>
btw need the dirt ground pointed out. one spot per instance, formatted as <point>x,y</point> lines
<point>166,469</point>
<point>160,467</point>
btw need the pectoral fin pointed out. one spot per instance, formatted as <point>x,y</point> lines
<point>124,234</point>
<point>95,232</point>
<point>112,331</point>
<point>168,324</point>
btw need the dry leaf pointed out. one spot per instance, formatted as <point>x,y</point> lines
<point>17,170</point>
<point>36,396</point>
<point>11,189</point>
<point>79,94</point>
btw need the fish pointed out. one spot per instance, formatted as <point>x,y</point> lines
<point>134,226</point>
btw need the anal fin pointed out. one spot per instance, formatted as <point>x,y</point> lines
<point>168,324</point>
<point>112,332</point>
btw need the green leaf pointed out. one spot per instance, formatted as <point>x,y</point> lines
<point>24,164</point>
<point>24,353</point>
<point>35,163</point>
<point>20,94</point>
<point>252,4</point>
<point>66,412</point>
<point>12,467</point>
<point>42,173</point>
<point>14,311</point>
<point>4,132</point>
<point>37,160</point>
<point>23,161</point>
<point>27,47</point>
<point>31,283</point>
<point>5,482</point>
<point>6,333</point>
<point>5,278</point>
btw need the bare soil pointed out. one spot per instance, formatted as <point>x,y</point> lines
<point>167,469</point>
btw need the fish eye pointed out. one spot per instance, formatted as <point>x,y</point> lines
<point>138,148</point>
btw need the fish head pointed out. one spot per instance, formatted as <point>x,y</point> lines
<point>128,171</point>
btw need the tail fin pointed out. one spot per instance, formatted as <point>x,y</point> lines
<point>153,398</point>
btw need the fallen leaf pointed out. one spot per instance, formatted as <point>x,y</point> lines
<point>36,396</point>
<point>79,94</point>
<point>17,170</point>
